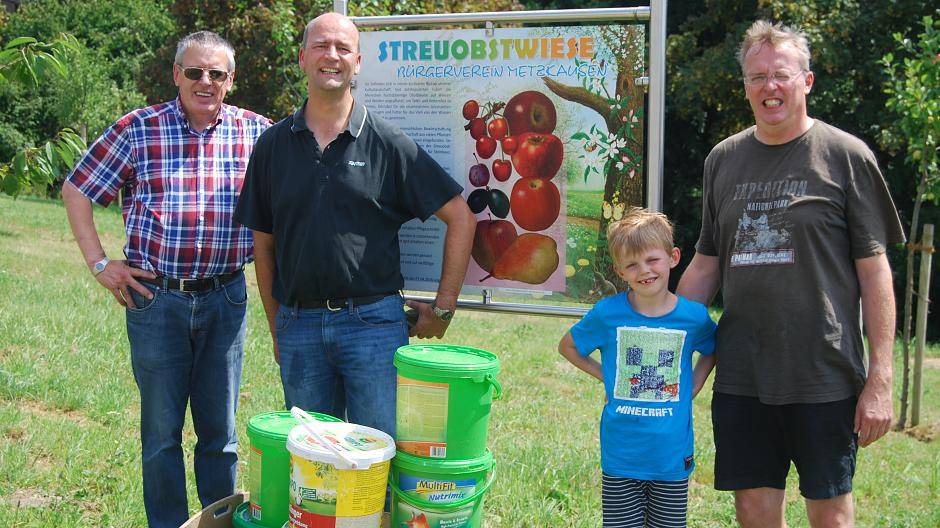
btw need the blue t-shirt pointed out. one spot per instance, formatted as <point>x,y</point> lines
<point>646,426</point>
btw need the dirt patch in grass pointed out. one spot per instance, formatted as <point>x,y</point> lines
<point>30,498</point>
<point>925,432</point>
<point>44,463</point>
<point>933,363</point>
<point>14,433</point>
<point>36,408</point>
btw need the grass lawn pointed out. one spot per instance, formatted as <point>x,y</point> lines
<point>69,448</point>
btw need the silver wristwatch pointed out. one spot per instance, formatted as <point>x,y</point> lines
<point>100,266</point>
<point>442,314</point>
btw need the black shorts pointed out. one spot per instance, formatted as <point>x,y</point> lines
<point>755,442</point>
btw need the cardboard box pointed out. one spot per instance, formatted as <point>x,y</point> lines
<point>218,514</point>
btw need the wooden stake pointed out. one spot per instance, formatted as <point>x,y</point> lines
<point>923,289</point>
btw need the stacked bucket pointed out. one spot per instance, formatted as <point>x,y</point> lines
<point>442,469</point>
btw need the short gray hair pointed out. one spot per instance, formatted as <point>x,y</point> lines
<point>205,39</point>
<point>764,32</point>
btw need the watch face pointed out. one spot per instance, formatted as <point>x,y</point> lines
<point>100,265</point>
<point>444,315</point>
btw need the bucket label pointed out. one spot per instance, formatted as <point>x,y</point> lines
<point>407,516</point>
<point>322,496</point>
<point>254,481</point>
<point>432,490</point>
<point>422,417</point>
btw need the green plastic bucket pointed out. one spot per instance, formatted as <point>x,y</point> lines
<point>439,493</point>
<point>269,466</point>
<point>444,396</point>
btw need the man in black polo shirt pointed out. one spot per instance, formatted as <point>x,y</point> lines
<point>326,221</point>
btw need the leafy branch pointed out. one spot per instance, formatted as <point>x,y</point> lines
<point>29,62</point>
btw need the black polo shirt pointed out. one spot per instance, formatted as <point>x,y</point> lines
<point>335,213</point>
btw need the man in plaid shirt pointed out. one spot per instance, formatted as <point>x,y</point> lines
<point>180,165</point>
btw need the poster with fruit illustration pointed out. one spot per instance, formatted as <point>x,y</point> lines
<point>543,127</point>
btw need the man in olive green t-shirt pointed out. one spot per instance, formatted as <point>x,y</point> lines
<point>796,220</point>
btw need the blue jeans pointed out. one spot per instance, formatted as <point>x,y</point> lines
<point>187,346</point>
<point>340,363</point>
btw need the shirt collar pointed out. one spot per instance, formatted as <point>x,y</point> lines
<point>225,112</point>
<point>357,119</point>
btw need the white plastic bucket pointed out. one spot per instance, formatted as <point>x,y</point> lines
<point>326,491</point>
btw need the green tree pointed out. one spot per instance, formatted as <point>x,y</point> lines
<point>913,88</point>
<point>26,61</point>
<point>111,39</point>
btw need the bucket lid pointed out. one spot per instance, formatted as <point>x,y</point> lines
<point>277,424</point>
<point>421,465</point>
<point>365,445</point>
<point>448,359</point>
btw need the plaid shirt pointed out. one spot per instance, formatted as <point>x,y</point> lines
<point>180,187</point>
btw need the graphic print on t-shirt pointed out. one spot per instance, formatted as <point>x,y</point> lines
<point>648,363</point>
<point>764,230</point>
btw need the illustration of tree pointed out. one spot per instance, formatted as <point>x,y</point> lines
<point>617,152</point>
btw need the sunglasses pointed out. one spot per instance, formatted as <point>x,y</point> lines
<point>195,74</point>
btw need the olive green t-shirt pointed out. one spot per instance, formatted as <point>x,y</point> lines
<point>787,223</point>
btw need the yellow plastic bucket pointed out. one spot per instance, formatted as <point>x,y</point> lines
<point>339,487</point>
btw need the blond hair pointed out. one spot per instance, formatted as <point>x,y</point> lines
<point>639,230</point>
<point>764,32</point>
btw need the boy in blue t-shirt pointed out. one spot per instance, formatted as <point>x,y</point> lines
<point>646,337</point>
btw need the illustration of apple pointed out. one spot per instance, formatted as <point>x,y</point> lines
<point>497,128</point>
<point>491,239</point>
<point>535,203</point>
<point>531,258</point>
<point>477,128</point>
<point>471,109</point>
<point>502,170</point>
<point>509,144</point>
<point>538,156</point>
<point>530,111</point>
<point>486,147</point>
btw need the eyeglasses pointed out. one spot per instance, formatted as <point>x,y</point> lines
<point>194,73</point>
<point>779,77</point>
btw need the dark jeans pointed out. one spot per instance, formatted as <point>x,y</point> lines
<point>340,363</point>
<point>187,347</point>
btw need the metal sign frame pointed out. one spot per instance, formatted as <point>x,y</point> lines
<point>655,14</point>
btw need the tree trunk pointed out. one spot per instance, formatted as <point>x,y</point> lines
<point>908,294</point>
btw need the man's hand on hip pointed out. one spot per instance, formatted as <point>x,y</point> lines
<point>873,412</point>
<point>118,277</point>
<point>429,324</point>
